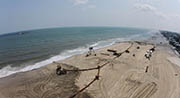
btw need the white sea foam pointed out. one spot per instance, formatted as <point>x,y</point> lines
<point>8,70</point>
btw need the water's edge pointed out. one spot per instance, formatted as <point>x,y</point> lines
<point>9,70</point>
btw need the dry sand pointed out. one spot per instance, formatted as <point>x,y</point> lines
<point>123,77</point>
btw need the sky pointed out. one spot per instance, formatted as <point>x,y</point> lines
<point>19,15</point>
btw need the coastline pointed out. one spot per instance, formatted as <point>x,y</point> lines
<point>8,70</point>
<point>116,79</point>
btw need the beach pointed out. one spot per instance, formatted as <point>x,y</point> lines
<point>130,75</point>
<point>90,49</point>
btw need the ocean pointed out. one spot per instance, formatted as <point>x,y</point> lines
<point>27,50</point>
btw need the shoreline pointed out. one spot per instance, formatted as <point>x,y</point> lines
<point>8,70</point>
<point>126,69</point>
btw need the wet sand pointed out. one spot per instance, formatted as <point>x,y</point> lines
<point>125,76</point>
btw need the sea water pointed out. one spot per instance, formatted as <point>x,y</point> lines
<point>27,50</point>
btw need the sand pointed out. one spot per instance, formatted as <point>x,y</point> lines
<point>121,77</point>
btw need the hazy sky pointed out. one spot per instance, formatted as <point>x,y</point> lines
<point>17,15</point>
